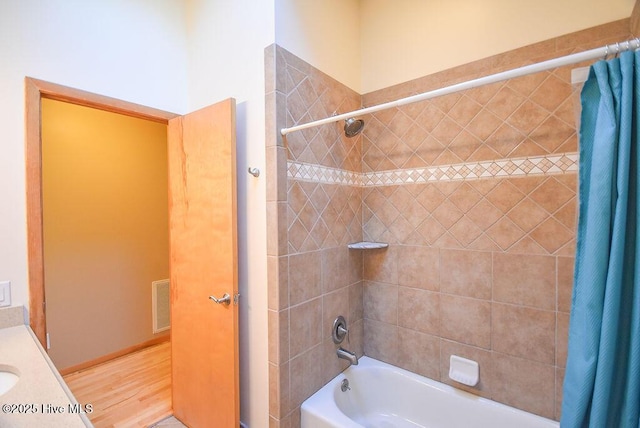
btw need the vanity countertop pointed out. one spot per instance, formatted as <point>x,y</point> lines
<point>40,398</point>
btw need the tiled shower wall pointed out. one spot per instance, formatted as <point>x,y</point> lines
<point>476,195</point>
<point>481,257</point>
<point>313,277</point>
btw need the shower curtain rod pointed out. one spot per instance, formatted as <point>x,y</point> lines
<point>602,52</point>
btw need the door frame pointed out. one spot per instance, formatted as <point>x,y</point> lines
<point>35,90</point>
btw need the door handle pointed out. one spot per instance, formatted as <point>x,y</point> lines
<point>224,300</point>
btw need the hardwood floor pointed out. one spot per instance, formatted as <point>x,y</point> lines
<point>130,391</point>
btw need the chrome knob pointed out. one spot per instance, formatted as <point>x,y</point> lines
<point>224,300</point>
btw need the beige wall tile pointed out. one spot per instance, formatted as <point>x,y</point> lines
<point>381,302</point>
<point>524,384</point>
<point>465,320</point>
<point>552,235</point>
<point>277,229</point>
<point>466,273</point>
<point>356,302</point>
<point>419,353</point>
<point>567,215</point>
<point>274,391</point>
<point>355,342</point>
<point>270,69</point>
<point>278,282</point>
<point>355,265</point>
<point>381,265</point>
<point>419,310</point>
<point>276,174</point>
<point>565,282</point>
<point>334,304</point>
<point>331,364</point>
<point>551,195</point>
<point>523,332</point>
<point>335,268</point>
<point>305,277</point>
<point>562,338</point>
<point>619,29</point>
<point>505,196</point>
<point>279,404</point>
<point>525,280</point>
<point>447,214</point>
<point>484,214</point>
<point>381,341</point>
<point>419,267</point>
<point>305,326</point>
<point>306,374</point>
<point>465,197</point>
<point>559,385</point>
<point>278,336</point>
<point>505,233</point>
<point>527,214</point>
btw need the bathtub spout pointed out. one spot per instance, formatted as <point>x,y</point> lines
<point>347,355</point>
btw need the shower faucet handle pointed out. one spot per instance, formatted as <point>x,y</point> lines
<point>340,330</point>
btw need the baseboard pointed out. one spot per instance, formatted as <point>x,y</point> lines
<point>114,355</point>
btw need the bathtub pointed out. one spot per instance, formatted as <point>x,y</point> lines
<point>385,396</point>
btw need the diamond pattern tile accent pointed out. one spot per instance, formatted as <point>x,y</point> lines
<point>434,206</point>
<point>312,95</point>
<point>529,116</point>
<point>446,172</point>
<point>499,168</point>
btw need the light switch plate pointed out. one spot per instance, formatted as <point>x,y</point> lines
<point>5,293</point>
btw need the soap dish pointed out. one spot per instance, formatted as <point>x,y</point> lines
<point>367,245</point>
<point>464,371</point>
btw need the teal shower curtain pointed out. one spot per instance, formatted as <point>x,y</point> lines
<point>602,381</point>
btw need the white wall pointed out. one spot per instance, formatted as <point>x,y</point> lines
<point>141,51</point>
<point>403,40</point>
<point>326,34</point>
<point>135,51</point>
<point>226,59</point>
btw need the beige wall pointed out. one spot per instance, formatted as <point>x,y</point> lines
<point>412,38</point>
<point>325,33</point>
<point>372,44</point>
<point>105,228</point>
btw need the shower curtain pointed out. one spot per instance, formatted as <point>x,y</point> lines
<point>602,381</point>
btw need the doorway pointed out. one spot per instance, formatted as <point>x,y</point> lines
<point>40,96</point>
<point>106,232</point>
<point>203,246</point>
<point>35,90</point>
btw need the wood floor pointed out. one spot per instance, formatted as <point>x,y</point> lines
<point>130,391</point>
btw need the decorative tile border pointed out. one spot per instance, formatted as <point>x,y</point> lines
<point>500,168</point>
<point>322,174</point>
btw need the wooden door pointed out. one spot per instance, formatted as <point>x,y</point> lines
<point>202,216</point>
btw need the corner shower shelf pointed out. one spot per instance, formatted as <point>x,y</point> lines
<point>367,245</point>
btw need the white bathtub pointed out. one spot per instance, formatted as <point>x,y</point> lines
<point>384,396</point>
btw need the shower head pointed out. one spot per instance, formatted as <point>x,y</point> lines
<point>353,127</point>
